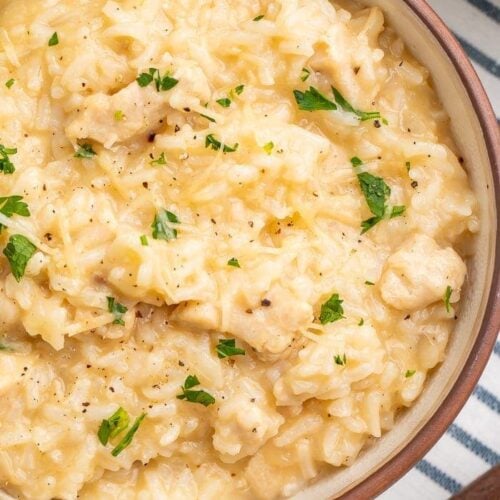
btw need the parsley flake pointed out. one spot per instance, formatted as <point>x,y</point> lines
<point>162,83</point>
<point>144,240</point>
<point>117,309</point>
<point>6,166</point>
<point>447,297</point>
<point>239,89</point>
<point>361,322</point>
<point>9,83</point>
<point>331,310</point>
<point>258,18</point>
<point>213,143</point>
<point>313,100</point>
<point>198,396</point>
<point>410,373</point>
<point>268,148</point>
<point>12,205</point>
<point>209,118</point>
<point>161,226</point>
<point>161,160</point>
<point>233,262</point>
<point>227,347</point>
<point>225,102</point>
<point>369,283</point>
<point>85,151</point>
<point>113,426</point>
<point>54,39</point>
<point>119,116</point>
<point>19,251</point>
<point>305,74</point>
<point>340,360</point>
<point>346,106</point>
<point>129,436</point>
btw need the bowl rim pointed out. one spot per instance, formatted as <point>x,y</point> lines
<point>480,353</point>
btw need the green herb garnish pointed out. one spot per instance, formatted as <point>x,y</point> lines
<point>376,193</point>
<point>227,347</point>
<point>199,396</point>
<point>212,142</point>
<point>129,436</point>
<point>119,116</point>
<point>161,160</point>
<point>305,74</point>
<point>162,83</point>
<point>313,100</point>
<point>258,18</point>
<point>225,102</point>
<point>113,426</point>
<point>331,310</point>
<point>447,297</point>
<point>85,151</point>
<point>340,360</point>
<point>144,240</point>
<point>9,83</point>
<point>161,226</point>
<point>6,166</point>
<point>410,373</point>
<point>346,106</point>
<point>239,89</point>
<point>54,40</point>
<point>19,251</point>
<point>209,118</point>
<point>268,148</point>
<point>233,262</point>
<point>12,205</point>
<point>361,322</point>
<point>117,309</point>
<point>369,283</point>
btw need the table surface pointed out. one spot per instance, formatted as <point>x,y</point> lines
<point>471,446</point>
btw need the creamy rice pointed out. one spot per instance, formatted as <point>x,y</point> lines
<point>170,208</point>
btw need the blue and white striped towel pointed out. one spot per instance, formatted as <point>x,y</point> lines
<point>471,446</point>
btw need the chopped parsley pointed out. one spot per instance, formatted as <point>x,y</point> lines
<point>144,240</point>
<point>4,347</point>
<point>331,310</point>
<point>408,166</point>
<point>340,360</point>
<point>227,347</point>
<point>198,396</point>
<point>369,283</point>
<point>212,142</point>
<point>361,322</point>
<point>239,89</point>
<point>19,251</point>
<point>54,39</point>
<point>225,102</point>
<point>117,309</point>
<point>113,426</point>
<point>161,160</point>
<point>162,83</point>
<point>209,118</point>
<point>85,151</point>
<point>313,100</point>
<point>447,297</point>
<point>161,226</point>
<point>258,18</point>
<point>376,193</point>
<point>346,106</point>
<point>305,74</point>
<point>410,373</point>
<point>129,436</point>
<point>9,83</point>
<point>12,205</point>
<point>233,262</point>
<point>6,166</point>
<point>119,116</point>
<point>268,148</point>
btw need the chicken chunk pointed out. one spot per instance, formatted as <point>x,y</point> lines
<point>419,273</point>
<point>139,110</point>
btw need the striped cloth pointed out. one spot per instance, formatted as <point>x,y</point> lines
<point>471,446</point>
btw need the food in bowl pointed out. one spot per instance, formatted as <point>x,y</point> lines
<point>233,242</point>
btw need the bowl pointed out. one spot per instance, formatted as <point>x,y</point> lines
<point>476,133</point>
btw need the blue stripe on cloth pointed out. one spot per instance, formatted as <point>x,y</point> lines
<point>487,398</point>
<point>438,476</point>
<point>487,8</point>
<point>472,444</point>
<point>496,349</point>
<point>479,57</point>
